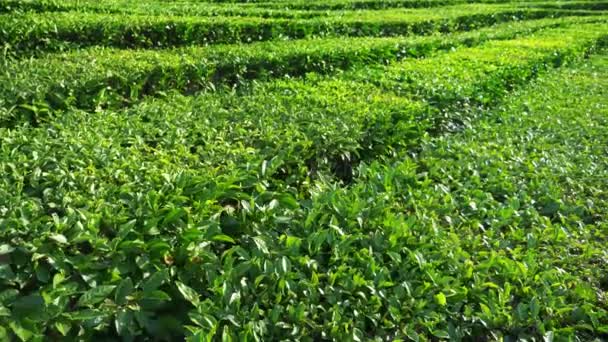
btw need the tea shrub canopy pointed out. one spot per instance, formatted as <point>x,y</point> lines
<point>345,170</point>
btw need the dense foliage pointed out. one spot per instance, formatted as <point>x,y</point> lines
<point>35,32</point>
<point>444,185</point>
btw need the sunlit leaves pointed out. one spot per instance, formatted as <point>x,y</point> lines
<point>320,207</point>
<point>95,295</point>
<point>188,293</point>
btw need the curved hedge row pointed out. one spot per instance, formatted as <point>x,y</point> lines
<point>59,31</point>
<point>115,226</point>
<point>335,5</point>
<point>571,5</point>
<point>495,233</point>
<point>89,79</point>
<point>245,8</point>
<point>150,8</point>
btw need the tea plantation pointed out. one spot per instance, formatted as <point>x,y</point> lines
<point>308,170</point>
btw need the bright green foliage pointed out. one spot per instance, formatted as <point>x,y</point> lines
<point>456,77</point>
<point>58,31</point>
<point>507,220</point>
<point>92,78</point>
<point>150,8</point>
<point>285,9</point>
<point>369,4</point>
<point>571,5</point>
<point>404,188</point>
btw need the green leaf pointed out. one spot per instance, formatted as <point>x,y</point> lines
<point>59,238</point>
<point>174,215</point>
<point>285,265</point>
<point>226,337</point>
<point>6,249</point>
<point>534,308</point>
<point>123,321</point>
<point>261,244</point>
<point>63,327</point>
<point>441,334</point>
<point>22,333</point>
<point>58,278</point>
<point>412,334</point>
<point>95,295</point>
<point>223,238</point>
<point>358,335</point>
<point>154,281</point>
<point>158,247</point>
<point>156,295</point>
<point>491,285</point>
<point>288,201</point>
<point>206,321</point>
<point>124,289</point>
<point>84,315</point>
<point>188,293</point>
<point>486,310</point>
<point>293,242</point>
<point>585,291</point>
<point>441,299</point>
<point>522,311</point>
<point>125,229</point>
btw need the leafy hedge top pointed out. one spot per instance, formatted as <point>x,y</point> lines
<point>107,77</point>
<point>36,33</point>
<point>184,217</point>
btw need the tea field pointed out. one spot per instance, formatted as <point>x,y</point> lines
<point>347,170</point>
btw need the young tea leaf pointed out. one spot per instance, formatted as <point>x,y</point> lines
<point>188,293</point>
<point>95,295</point>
